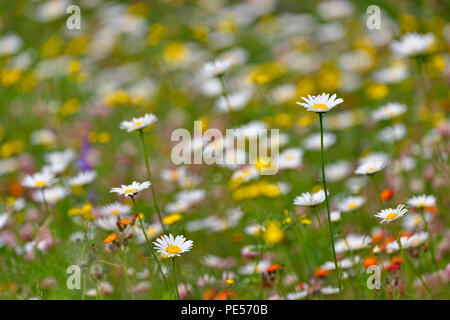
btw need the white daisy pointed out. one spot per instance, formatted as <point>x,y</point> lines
<point>417,239</point>
<point>132,189</point>
<point>82,178</point>
<point>393,245</point>
<point>52,195</point>
<point>412,44</point>
<point>392,134</point>
<point>394,74</point>
<point>170,246</point>
<point>371,165</point>
<point>338,170</point>
<point>108,223</point>
<point>216,68</point>
<point>115,209</point>
<point>422,201</point>
<point>236,100</point>
<point>310,200</point>
<point>39,180</point>
<point>351,203</point>
<point>59,160</point>
<point>389,111</point>
<point>138,123</point>
<point>290,158</point>
<point>320,103</point>
<point>352,242</point>
<point>388,215</point>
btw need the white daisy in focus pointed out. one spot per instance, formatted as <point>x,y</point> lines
<point>310,200</point>
<point>320,103</point>
<point>82,178</point>
<point>171,247</point>
<point>412,44</point>
<point>422,201</point>
<point>389,111</point>
<point>39,180</point>
<point>138,123</point>
<point>132,189</point>
<point>351,203</point>
<point>389,215</point>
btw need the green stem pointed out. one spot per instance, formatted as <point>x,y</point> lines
<point>411,265</point>
<point>225,94</point>
<point>324,180</point>
<point>125,274</point>
<point>430,238</point>
<point>377,191</point>
<point>152,187</point>
<point>150,246</point>
<point>177,294</point>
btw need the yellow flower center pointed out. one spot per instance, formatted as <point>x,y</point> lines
<point>132,190</point>
<point>391,216</point>
<point>421,204</point>
<point>40,183</point>
<point>115,212</point>
<point>320,106</point>
<point>138,123</point>
<point>173,249</point>
<point>352,206</point>
<point>289,157</point>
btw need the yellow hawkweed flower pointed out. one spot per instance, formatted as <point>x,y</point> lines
<point>273,233</point>
<point>172,218</point>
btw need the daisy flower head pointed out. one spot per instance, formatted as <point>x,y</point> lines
<point>83,178</point>
<point>138,123</point>
<point>171,247</point>
<point>371,165</point>
<point>422,201</point>
<point>115,209</point>
<point>131,189</point>
<point>412,44</point>
<point>320,103</point>
<point>389,111</point>
<point>351,203</point>
<point>216,68</point>
<point>310,200</point>
<point>388,215</point>
<point>39,180</point>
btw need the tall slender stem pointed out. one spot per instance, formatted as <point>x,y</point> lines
<point>377,191</point>
<point>152,187</point>
<point>150,246</point>
<point>430,238</point>
<point>177,294</point>
<point>227,98</point>
<point>324,180</point>
<point>411,265</point>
